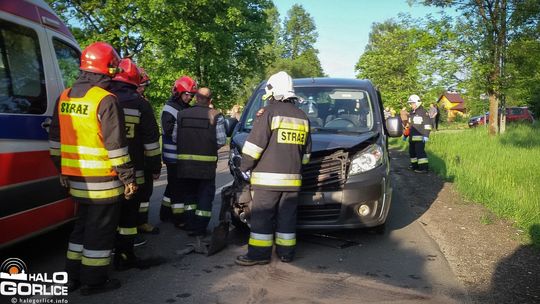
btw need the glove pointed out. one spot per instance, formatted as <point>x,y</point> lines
<point>245,175</point>
<point>130,190</point>
<point>425,139</point>
<point>64,181</point>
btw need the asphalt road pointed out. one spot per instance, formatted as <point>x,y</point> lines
<point>403,265</point>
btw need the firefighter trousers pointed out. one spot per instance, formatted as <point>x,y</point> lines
<point>272,211</point>
<point>145,193</point>
<point>417,153</point>
<point>169,199</point>
<point>91,242</point>
<point>197,197</point>
<point>127,226</point>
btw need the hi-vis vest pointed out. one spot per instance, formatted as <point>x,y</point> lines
<point>82,149</point>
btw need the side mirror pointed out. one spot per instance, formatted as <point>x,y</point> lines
<point>394,127</point>
<point>230,123</point>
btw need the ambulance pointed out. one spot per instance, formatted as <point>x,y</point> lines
<point>39,57</point>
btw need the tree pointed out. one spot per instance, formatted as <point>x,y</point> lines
<point>299,32</point>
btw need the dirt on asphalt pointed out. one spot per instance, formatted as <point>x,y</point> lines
<point>486,253</point>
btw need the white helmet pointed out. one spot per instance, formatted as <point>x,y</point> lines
<point>414,99</point>
<point>279,85</point>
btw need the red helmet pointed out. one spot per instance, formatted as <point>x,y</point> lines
<point>145,79</point>
<point>185,84</point>
<point>129,72</point>
<point>100,58</point>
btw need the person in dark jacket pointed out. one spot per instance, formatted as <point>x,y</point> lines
<point>89,148</point>
<point>420,125</point>
<point>183,91</point>
<point>272,158</point>
<point>142,134</point>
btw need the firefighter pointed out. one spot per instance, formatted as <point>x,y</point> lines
<point>183,91</point>
<point>201,132</point>
<point>419,129</point>
<point>274,152</point>
<point>146,192</point>
<point>88,146</point>
<point>142,134</point>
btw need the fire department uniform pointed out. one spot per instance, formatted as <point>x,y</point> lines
<point>171,207</point>
<point>420,127</point>
<point>88,145</point>
<point>274,151</point>
<point>200,135</point>
<point>142,134</point>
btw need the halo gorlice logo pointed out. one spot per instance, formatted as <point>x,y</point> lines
<point>16,281</point>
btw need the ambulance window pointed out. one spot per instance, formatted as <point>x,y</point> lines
<point>22,83</point>
<point>68,61</point>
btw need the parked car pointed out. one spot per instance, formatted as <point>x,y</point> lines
<point>513,114</point>
<point>346,184</point>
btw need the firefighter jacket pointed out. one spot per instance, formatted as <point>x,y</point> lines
<point>170,128</point>
<point>87,141</point>
<point>142,131</point>
<point>420,124</point>
<point>276,148</point>
<point>197,143</point>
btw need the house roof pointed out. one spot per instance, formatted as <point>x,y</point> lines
<point>455,99</point>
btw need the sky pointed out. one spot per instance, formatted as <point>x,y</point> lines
<point>344,25</point>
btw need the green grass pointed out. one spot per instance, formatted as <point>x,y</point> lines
<point>503,172</point>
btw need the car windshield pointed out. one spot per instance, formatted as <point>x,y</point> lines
<point>329,109</point>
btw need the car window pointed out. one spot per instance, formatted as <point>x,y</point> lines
<point>68,61</point>
<point>329,109</point>
<point>22,82</point>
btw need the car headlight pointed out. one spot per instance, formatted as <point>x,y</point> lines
<point>368,159</point>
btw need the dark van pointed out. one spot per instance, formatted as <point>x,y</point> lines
<point>346,184</point>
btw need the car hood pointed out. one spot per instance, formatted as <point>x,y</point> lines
<point>323,141</point>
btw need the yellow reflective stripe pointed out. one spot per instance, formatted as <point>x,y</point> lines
<point>203,213</point>
<point>191,207</point>
<point>166,202</point>
<point>283,122</point>
<point>417,138</point>
<point>54,152</point>
<point>276,179</point>
<point>427,127</point>
<point>414,160</point>
<point>139,180</point>
<point>150,153</point>
<point>284,242</point>
<point>95,261</point>
<point>178,208</point>
<point>73,255</point>
<point>252,150</point>
<point>423,161</point>
<point>119,160</point>
<point>86,164</point>
<point>84,150</point>
<point>260,243</point>
<point>305,158</point>
<point>96,194</point>
<point>132,119</point>
<point>127,230</point>
<point>197,157</point>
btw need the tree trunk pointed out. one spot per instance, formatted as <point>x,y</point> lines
<point>493,111</point>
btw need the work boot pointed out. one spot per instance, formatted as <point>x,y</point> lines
<point>110,284</point>
<point>413,167</point>
<point>139,241</point>
<point>148,228</point>
<point>244,260</point>
<point>286,259</point>
<point>73,285</point>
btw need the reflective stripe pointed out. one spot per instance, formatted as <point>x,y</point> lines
<point>120,160</point>
<point>151,146</point>
<point>252,150</point>
<point>417,138</point>
<point>305,158</point>
<point>139,173</point>
<point>205,158</point>
<point>144,204</point>
<point>285,239</point>
<point>96,253</point>
<point>169,147</point>
<point>260,240</point>
<point>95,194</point>
<point>96,185</point>
<point>170,110</point>
<point>132,119</point>
<point>177,208</point>
<point>139,177</point>
<point>283,122</point>
<point>203,213</point>
<point>95,261</point>
<point>169,156</point>
<point>54,144</point>
<point>85,164</point>
<point>132,112</point>
<point>191,207</point>
<point>414,160</point>
<point>54,152</point>
<point>276,179</point>
<point>127,230</point>
<point>72,255</point>
<point>75,247</point>
<point>118,152</point>
<point>427,127</point>
<point>150,153</point>
<point>83,150</point>
<point>166,203</point>
<point>423,161</point>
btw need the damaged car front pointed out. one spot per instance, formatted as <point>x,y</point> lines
<point>346,184</point>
